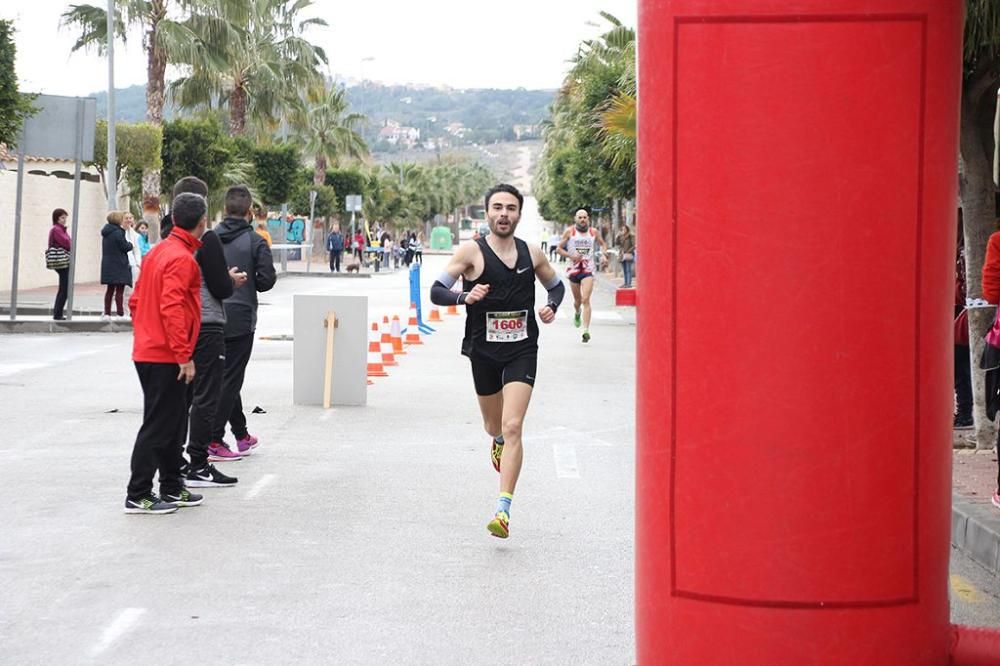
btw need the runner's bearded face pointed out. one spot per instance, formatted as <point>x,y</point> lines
<point>503,214</point>
<point>582,220</point>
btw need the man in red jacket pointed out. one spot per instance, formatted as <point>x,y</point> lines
<point>166,318</point>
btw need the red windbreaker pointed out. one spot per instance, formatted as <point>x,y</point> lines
<point>166,302</point>
<point>991,270</point>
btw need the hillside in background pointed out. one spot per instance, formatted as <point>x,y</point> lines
<point>442,117</point>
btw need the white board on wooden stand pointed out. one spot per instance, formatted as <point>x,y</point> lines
<point>350,349</point>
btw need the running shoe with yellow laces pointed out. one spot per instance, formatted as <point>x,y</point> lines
<point>500,525</point>
<point>496,452</point>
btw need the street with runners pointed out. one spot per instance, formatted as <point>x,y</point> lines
<point>355,532</point>
<point>368,333</point>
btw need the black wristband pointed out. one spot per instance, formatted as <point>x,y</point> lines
<point>552,306</point>
<point>461,298</point>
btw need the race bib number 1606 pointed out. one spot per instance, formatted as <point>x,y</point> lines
<point>507,326</point>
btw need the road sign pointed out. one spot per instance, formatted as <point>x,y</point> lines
<point>353,203</point>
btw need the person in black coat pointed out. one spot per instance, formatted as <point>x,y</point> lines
<point>116,272</point>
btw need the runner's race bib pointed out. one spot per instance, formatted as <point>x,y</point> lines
<point>507,326</point>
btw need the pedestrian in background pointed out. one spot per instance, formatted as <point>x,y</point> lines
<point>167,319</point>
<point>116,273</point>
<point>358,245</point>
<point>135,254</point>
<point>991,353</point>
<point>142,231</point>
<point>335,246</point>
<point>626,249</point>
<point>263,232</point>
<point>418,248</point>
<point>411,243</point>
<point>59,249</point>
<point>553,246</point>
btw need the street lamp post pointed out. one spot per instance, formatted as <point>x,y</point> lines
<point>112,170</point>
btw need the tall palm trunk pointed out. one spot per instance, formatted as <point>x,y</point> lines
<point>319,169</point>
<point>237,110</point>
<point>156,66</point>
<point>978,194</point>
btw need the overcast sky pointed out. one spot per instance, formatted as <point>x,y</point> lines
<point>459,43</point>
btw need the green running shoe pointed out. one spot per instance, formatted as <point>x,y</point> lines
<point>577,320</point>
<point>586,336</point>
<point>495,454</point>
<point>500,525</point>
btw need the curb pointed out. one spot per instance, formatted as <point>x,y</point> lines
<point>320,274</point>
<point>975,530</point>
<point>49,326</point>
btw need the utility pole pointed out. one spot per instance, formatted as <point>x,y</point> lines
<point>112,170</point>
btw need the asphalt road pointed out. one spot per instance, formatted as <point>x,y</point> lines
<point>355,535</point>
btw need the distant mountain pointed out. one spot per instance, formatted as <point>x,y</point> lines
<point>474,115</point>
<point>487,115</point>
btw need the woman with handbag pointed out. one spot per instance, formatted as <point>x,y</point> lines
<point>57,259</point>
<point>626,248</point>
<point>116,272</point>
<point>990,361</point>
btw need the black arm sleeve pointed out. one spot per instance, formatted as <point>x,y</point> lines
<point>263,264</point>
<point>556,294</point>
<point>212,260</point>
<point>442,295</point>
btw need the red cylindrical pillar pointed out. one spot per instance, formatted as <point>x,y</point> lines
<point>797,170</point>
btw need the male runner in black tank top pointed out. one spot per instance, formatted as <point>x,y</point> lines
<point>501,334</point>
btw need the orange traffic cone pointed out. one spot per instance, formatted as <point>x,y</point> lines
<point>435,315</point>
<point>375,367</point>
<point>385,346</point>
<point>396,334</point>
<point>413,328</point>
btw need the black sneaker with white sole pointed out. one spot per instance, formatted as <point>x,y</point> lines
<point>208,477</point>
<point>184,498</point>
<point>150,504</point>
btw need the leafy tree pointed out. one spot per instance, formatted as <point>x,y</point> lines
<point>325,129</point>
<point>196,148</point>
<point>14,106</point>
<point>326,199</point>
<point>344,182</point>
<point>251,54</point>
<point>137,149</point>
<point>164,40</point>
<point>276,168</point>
<point>590,141</point>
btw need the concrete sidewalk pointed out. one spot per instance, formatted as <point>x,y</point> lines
<point>975,522</point>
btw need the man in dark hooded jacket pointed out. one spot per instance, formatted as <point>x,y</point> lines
<point>249,253</point>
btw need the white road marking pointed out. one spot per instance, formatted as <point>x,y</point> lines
<point>127,619</point>
<point>565,456</point>
<point>583,437</point>
<point>262,482</point>
<point>56,357</point>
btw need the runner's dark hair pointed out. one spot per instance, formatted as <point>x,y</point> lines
<point>509,189</point>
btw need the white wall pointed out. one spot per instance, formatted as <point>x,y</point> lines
<point>41,195</point>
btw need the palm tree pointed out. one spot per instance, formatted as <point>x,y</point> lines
<point>164,40</point>
<point>325,129</point>
<point>250,69</point>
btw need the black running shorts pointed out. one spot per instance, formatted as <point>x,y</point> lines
<point>490,378</point>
